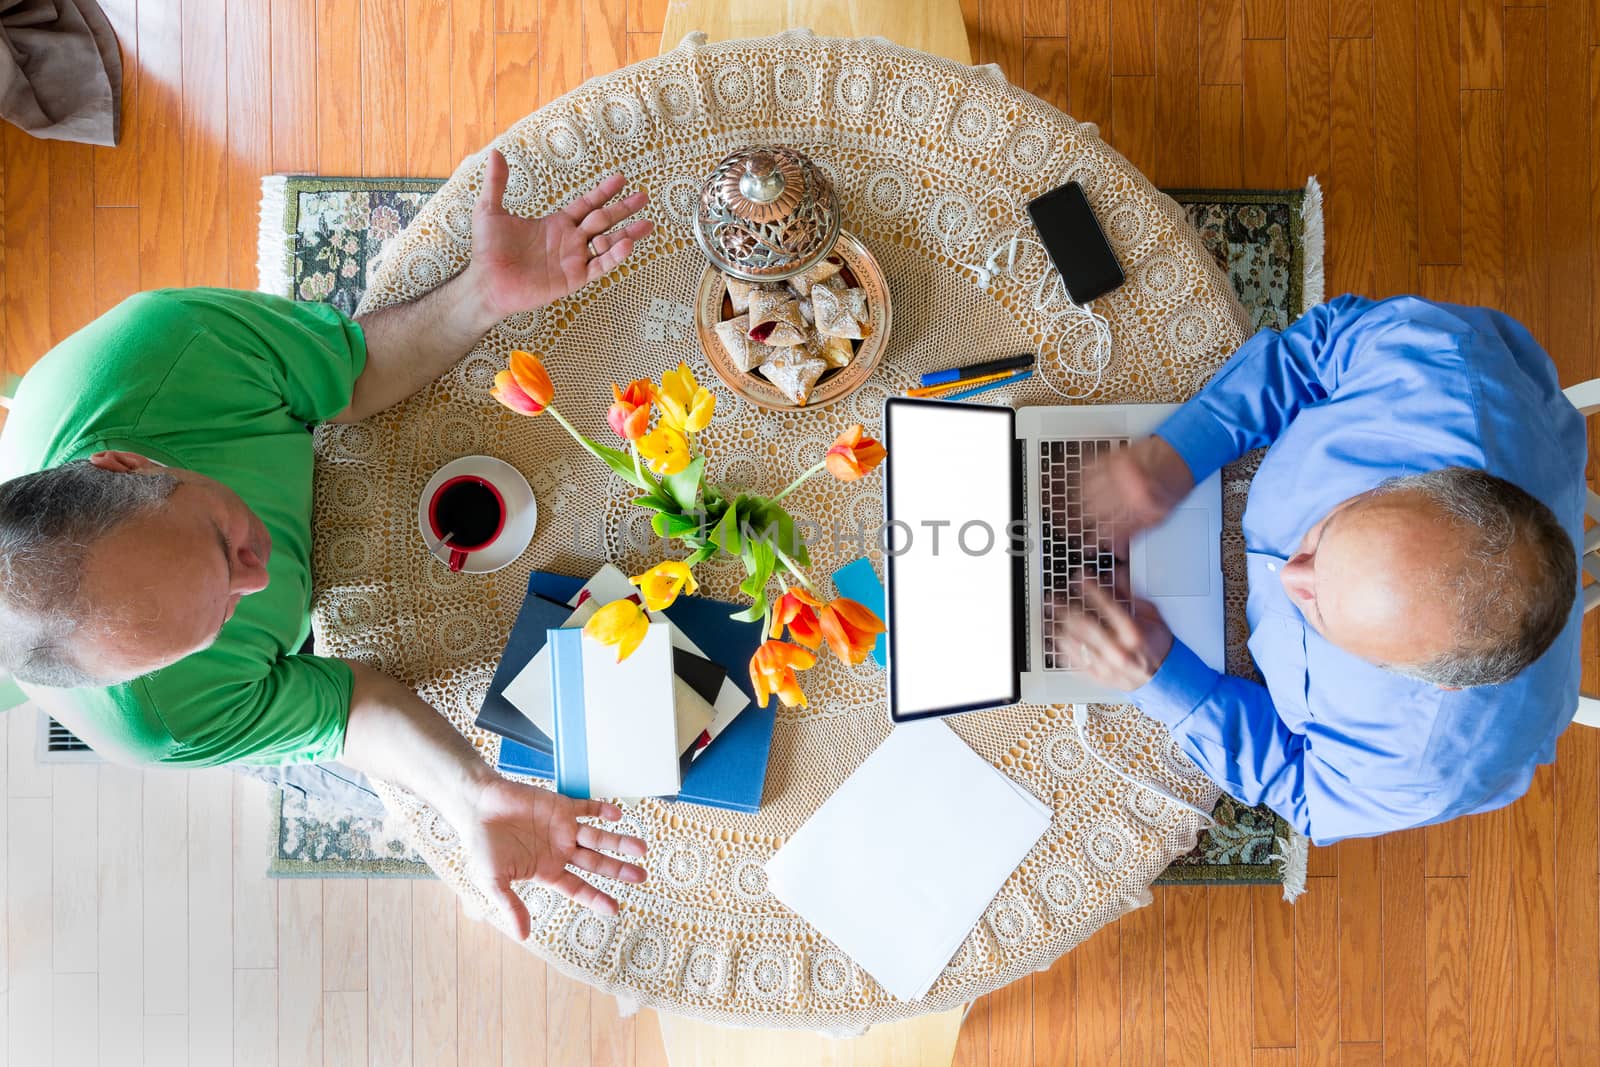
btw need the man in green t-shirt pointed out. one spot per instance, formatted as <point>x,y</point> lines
<point>155,533</point>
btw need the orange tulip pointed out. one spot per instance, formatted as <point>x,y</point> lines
<point>850,629</point>
<point>524,388</point>
<point>630,413</point>
<point>796,609</point>
<point>772,672</point>
<point>853,455</point>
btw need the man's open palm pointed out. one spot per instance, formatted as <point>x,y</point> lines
<point>527,263</point>
<point>521,832</point>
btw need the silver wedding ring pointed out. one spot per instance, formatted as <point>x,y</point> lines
<point>592,253</point>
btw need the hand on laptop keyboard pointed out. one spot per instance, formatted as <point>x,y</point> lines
<point>1114,645</point>
<point>1132,489</point>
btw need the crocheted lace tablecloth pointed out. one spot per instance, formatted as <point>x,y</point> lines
<point>933,162</point>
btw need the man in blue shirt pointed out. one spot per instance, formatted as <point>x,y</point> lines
<point>1412,569</point>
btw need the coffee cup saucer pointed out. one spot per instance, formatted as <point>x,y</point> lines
<point>522,513</point>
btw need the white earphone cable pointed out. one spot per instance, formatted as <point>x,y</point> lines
<point>1080,719</point>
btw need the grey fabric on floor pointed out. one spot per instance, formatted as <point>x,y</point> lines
<point>334,784</point>
<point>60,70</point>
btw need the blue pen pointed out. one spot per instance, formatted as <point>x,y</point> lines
<point>965,393</point>
<point>978,370</point>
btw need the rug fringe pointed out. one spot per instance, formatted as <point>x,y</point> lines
<point>1293,853</point>
<point>1311,244</point>
<point>272,243</point>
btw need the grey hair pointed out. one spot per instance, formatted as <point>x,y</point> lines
<point>1512,591</point>
<point>48,522</point>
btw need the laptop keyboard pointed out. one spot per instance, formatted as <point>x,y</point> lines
<point>1075,547</point>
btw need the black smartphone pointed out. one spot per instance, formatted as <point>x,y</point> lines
<point>1077,246</point>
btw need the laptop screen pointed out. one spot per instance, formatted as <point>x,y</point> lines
<point>952,593</point>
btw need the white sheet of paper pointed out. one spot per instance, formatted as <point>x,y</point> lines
<point>897,867</point>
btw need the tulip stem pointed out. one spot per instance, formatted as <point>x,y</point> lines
<point>800,480</point>
<point>793,569</point>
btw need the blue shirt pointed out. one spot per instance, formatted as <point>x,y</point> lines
<point>1354,393</point>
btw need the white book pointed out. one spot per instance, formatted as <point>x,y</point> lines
<point>615,726</point>
<point>898,866</point>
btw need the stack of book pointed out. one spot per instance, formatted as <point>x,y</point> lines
<point>676,719</point>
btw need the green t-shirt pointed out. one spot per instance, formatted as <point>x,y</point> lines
<point>223,383</point>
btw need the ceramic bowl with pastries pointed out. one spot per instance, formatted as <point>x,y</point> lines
<point>792,312</point>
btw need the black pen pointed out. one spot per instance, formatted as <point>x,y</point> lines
<point>977,370</point>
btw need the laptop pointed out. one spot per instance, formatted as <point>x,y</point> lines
<point>986,541</point>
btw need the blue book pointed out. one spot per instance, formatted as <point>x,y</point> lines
<point>732,772</point>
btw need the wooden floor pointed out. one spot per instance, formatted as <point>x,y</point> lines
<point>1456,142</point>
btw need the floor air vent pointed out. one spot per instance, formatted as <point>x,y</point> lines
<point>57,744</point>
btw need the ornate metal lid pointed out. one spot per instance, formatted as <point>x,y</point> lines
<point>766,213</point>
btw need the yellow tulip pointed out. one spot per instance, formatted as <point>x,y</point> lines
<point>665,449</point>
<point>685,405</point>
<point>621,624</point>
<point>661,584</point>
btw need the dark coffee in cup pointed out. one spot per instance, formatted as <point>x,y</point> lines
<point>466,514</point>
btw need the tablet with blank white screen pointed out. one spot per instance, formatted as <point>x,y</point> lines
<point>953,583</point>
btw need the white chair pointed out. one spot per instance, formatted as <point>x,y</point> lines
<point>1585,396</point>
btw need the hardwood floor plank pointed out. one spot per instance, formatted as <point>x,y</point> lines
<point>1010,1024</point>
<point>1133,115</point>
<point>75,1000</point>
<point>1144,983</point>
<point>479,995</point>
<point>1350,196</point>
<point>71,238</point>
<point>1394,61</point>
<point>166,1040</point>
<point>340,99</point>
<point>524,1015</point>
<point>1221,42</point>
<point>344,1029</point>
<point>1525,258</point>
<point>204,109</point>
<point>1308,51</point>
<point>1483,186</point>
<point>1221,165</point>
<point>1186,1010</point>
<point>560,68</point>
<point>293,65</point>
<point>1044,18</point>
<point>1099,964</point>
<point>1489,974</point>
<point>1177,102</point>
<point>1273,972</point>
<point>210,1006</point>
<point>1573,205</point>
<point>642,46</point>
<point>1482,58</point>
<point>383,49</point>
<point>1350,18</point>
<point>1229,920</point>
<point>29,1038</point>
<point>429,54</point>
<point>1438,67</point>
<point>119,903</point>
<point>1449,849</point>
<point>255,1017</point>
<point>1577,894</point>
<point>116,169</point>
<point>1272,1057</point>
<point>1044,69</point>
<point>1322,862</point>
<point>1055,994</point>
<point>389,985</point>
<point>1360,956</point>
<point>157,128</point>
<point>1001,34</point>
<point>75,817</point>
<point>27,241</point>
<point>472,115</point>
<point>1533,922</point>
<point>1402,865</point>
<point>1265,149</point>
<point>1265,18</point>
<point>516,77</point>
<point>300,968</point>
<point>1316,961</point>
<point>518,16</point>
<point>1448,971</point>
<point>605,36</point>
<point>344,935</point>
<point>1089,64</point>
<point>433,973</point>
<point>255,896</point>
<point>1355,1054</point>
<point>972,1043</point>
<point>250,149</point>
<point>651,1051</point>
<point>568,1042</point>
<point>1133,37</point>
<point>166,893</point>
